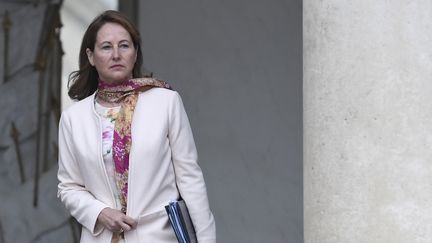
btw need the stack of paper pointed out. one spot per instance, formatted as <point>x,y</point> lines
<point>181,222</point>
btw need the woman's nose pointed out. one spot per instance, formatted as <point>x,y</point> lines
<point>116,53</point>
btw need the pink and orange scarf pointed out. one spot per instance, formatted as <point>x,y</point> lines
<point>125,94</point>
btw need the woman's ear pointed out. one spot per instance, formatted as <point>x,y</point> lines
<point>90,56</point>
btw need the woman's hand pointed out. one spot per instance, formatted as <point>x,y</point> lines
<point>116,221</point>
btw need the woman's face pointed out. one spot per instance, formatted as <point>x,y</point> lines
<point>114,54</point>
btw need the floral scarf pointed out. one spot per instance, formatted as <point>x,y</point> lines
<point>125,94</point>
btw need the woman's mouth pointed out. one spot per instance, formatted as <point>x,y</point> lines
<point>116,66</point>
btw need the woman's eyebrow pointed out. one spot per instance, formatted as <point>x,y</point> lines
<point>124,41</point>
<point>105,42</point>
<point>109,42</point>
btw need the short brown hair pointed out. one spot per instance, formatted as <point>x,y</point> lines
<point>83,82</point>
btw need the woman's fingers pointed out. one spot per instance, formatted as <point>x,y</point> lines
<point>127,223</point>
<point>125,227</point>
<point>132,223</point>
<point>115,221</point>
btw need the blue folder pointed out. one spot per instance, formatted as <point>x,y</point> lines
<point>181,222</point>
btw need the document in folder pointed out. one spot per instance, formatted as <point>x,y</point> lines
<point>181,222</point>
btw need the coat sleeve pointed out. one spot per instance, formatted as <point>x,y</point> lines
<point>189,177</point>
<point>71,190</point>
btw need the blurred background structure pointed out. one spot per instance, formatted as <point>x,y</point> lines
<point>29,110</point>
<point>238,67</point>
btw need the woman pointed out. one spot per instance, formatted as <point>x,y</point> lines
<point>126,148</point>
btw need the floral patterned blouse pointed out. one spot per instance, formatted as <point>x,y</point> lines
<point>108,117</point>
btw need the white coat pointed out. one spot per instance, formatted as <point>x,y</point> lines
<point>163,163</point>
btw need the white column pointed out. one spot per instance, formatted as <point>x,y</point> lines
<point>367,121</point>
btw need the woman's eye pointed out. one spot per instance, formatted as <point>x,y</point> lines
<point>106,47</point>
<point>124,46</point>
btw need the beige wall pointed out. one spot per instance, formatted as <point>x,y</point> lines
<point>367,121</point>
